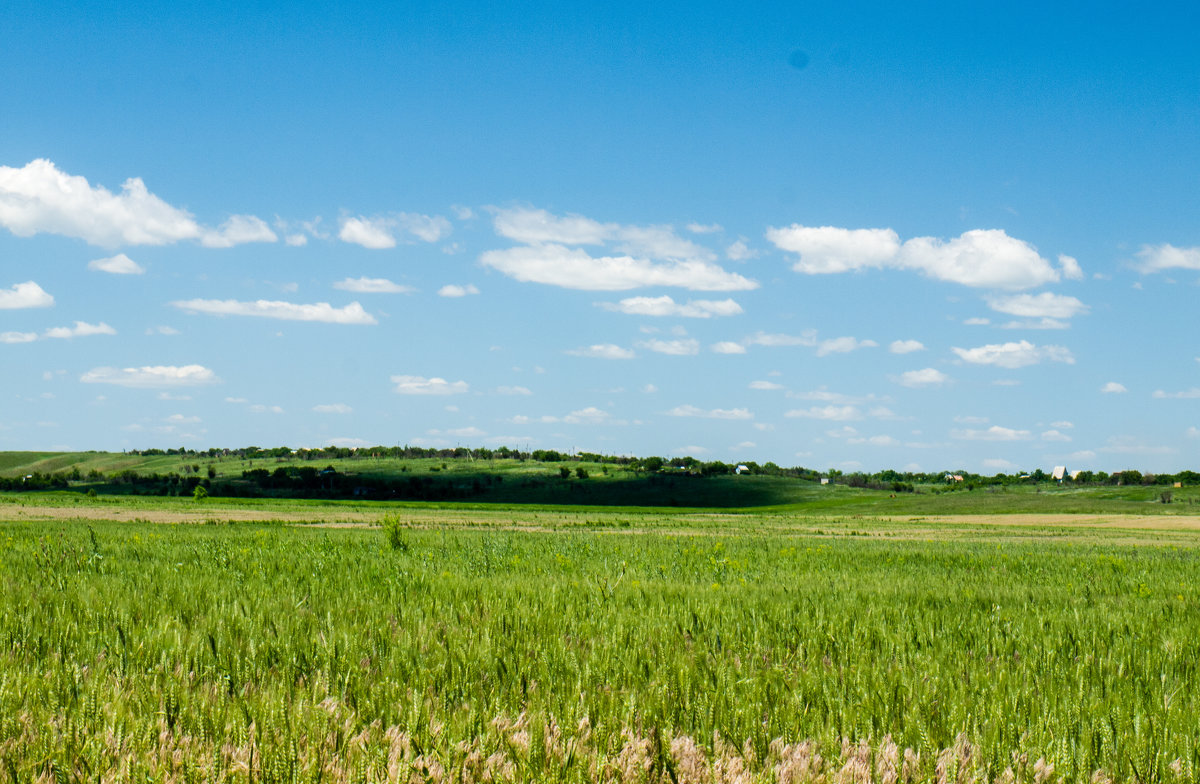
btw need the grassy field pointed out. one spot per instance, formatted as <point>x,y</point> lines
<point>300,641</point>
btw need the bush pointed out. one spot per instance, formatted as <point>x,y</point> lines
<point>394,529</point>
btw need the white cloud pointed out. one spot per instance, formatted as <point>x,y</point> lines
<point>117,265</point>
<point>513,391</point>
<point>1156,258</point>
<point>590,415</point>
<point>381,231</point>
<point>17,337</point>
<point>874,441</point>
<point>373,233</point>
<point>238,230</point>
<point>151,376</point>
<point>702,228</point>
<point>1014,355</point>
<point>828,249</point>
<point>765,385</point>
<point>1070,267</point>
<point>906,346</point>
<point>715,413</point>
<point>366,285</point>
<point>679,348</point>
<point>807,338</point>
<point>24,295</point>
<point>332,408</point>
<point>1056,436</point>
<point>926,377</point>
<point>39,198</point>
<point>162,329</point>
<point>602,351</point>
<point>985,258</point>
<point>843,345</point>
<point>1113,388</point>
<point>740,251</point>
<point>180,419</point>
<point>287,311</point>
<point>728,347</point>
<point>827,413</point>
<point>1187,394</point>
<point>666,306</point>
<point>539,226</point>
<point>557,265</point>
<point>993,433</point>
<point>419,385</point>
<point>1044,305</point>
<point>977,321</point>
<point>452,290</point>
<point>80,329</point>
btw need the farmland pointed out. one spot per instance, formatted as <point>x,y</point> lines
<point>291,640</point>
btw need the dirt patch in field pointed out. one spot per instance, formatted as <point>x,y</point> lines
<point>1145,522</point>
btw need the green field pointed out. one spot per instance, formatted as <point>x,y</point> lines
<point>551,644</point>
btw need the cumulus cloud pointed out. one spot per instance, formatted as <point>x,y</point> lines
<point>419,385</point>
<point>906,346</point>
<point>926,377</point>
<point>765,385</point>
<point>17,337</point>
<point>774,339</point>
<point>452,290</point>
<point>1056,436</point>
<point>80,329</point>
<point>532,227</point>
<point>843,345</point>
<point>993,433</point>
<point>384,231</point>
<point>728,347</point>
<point>1113,388</point>
<point>1187,394</point>
<point>715,413</point>
<point>679,348</point>
<point>701,228</point>
<point>238,230</point>
<point>557,265</point>
<point>602,351</point>
<point>1156,258</point>
<point>667,306</point>
<point>1014,355</point>
<point>24,295</point>
<point>740,251</point>
<point>828,249</point>
<point>151,376</point>
<point>332,408</point>
<point>366,285</point>
<point>642,255</point>
<point>982,258</point>
<point>1070,267</point>
<point>827,413</point>
<point>1044,305</point>
<point>286,311</point>
<point>117,265</point>
<point>39,198</point>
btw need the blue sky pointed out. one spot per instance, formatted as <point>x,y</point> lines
<point>865,236</point>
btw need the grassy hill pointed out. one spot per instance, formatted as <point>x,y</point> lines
<point>512,481</point>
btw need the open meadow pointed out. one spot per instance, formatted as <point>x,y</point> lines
<point>168,640</point>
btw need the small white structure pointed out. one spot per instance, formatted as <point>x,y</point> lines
<point>1058,473</point>
<point>824,480</point>
<point>742,469</point>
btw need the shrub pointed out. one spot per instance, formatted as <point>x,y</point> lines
<point>394,529</point>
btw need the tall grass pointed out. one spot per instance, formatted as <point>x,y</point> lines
<point>268,653</point>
